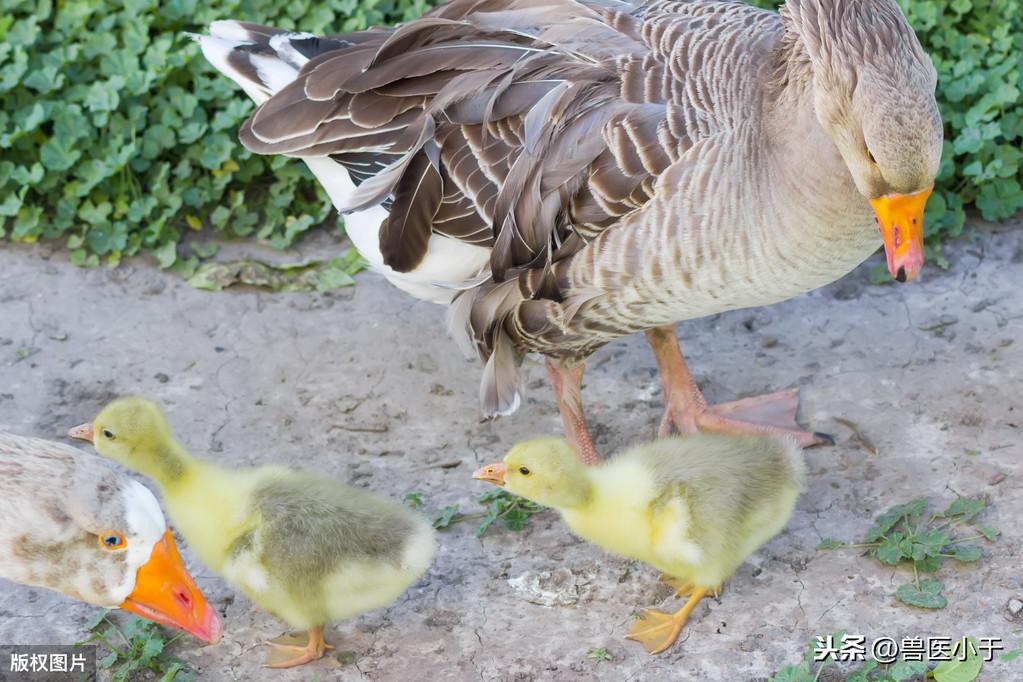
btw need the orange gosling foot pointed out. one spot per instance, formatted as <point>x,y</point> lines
<point>657,630</point>
<point>289,651</point>
<point>687,412</point>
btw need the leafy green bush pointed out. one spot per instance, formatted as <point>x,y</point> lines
<point>117,137</point>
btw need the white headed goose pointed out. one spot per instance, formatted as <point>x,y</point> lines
<point>69,522</point>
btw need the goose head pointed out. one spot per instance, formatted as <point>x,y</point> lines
<point>103,540</point>
<point>873,91</point>
<point>544,470</point>
<point>134,432</point>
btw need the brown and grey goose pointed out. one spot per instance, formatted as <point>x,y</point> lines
<point>562,173</point>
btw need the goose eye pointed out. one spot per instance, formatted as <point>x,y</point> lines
<point>524,471</point>
<point>108,434</point>
<point>112,540</point>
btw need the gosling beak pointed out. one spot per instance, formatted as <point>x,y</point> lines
<point>82,432</point>
<point>901,217</point>
<point>165,593</point>
<point>491,473</point>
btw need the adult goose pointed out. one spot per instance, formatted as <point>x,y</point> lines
<point>69,522</point>
<point>566,172</point>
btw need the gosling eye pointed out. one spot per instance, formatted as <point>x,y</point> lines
<point>112,540</point>
<point>108,434</point>
<point>524,471</point>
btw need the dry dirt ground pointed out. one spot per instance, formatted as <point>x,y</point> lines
<point>364,384</point>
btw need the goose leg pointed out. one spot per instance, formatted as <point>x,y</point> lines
<point>657,630</point>
<point>289,651</point>
<point>687,410</point>
<point>567,383</point>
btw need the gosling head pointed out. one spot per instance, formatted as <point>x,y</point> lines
<point>110,546</point>
<point>134,432</point>
<point>544,470</point>
<point>873,90</point>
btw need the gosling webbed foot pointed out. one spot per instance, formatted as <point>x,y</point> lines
<point>291,650</point>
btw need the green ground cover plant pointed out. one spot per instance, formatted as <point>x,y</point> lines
<point>908,535</point>
<point>135,650</point>
<point>499,505</point>
<point>117,138</point>
<point>964,665</point>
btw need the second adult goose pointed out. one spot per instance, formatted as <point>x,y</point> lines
<point>69,522</point>
<point>566,172</point>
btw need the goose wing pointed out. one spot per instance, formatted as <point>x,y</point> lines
<point>528,127</point>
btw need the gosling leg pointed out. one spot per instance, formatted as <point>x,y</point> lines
<point>290,651</point>
<point>657,630</point>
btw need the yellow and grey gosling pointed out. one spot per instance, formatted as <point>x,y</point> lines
<point>69,522</point>
<point>303,546</point>
<point>566,172</point>
<point>695,508</point>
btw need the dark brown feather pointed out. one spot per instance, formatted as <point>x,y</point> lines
<point>406,231</point>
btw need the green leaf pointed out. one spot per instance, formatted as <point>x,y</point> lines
<point>58,154</point>
<point>890,551</point>
<point>830,543</point>
<point>171,672</point>
<point>516,519</point>
<point>927,597</point>
<point>793,673</point>
<point>1010,656</point>
<point>886,521</point>
<point>965,670</point>
<point>446,516</point>
<point>107,661</point>
<point>95,620</point>
<point>153,647</point>
<point>968,553</point>
<point>930,543</point>
<point>965,508</point>
<point>166,254</point>
<point>414,500</point>
<point>905,670</point>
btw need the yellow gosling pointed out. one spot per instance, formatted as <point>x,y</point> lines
<point>303,546</point>
<point>694,508</point>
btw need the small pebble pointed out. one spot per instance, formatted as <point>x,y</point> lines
<point>1015,606</point>
<point>161,377</point>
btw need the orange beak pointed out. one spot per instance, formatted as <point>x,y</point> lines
<point>165,593</point>
<point>901,217</point>
<point>82,432</point>
<point>492,473</point>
